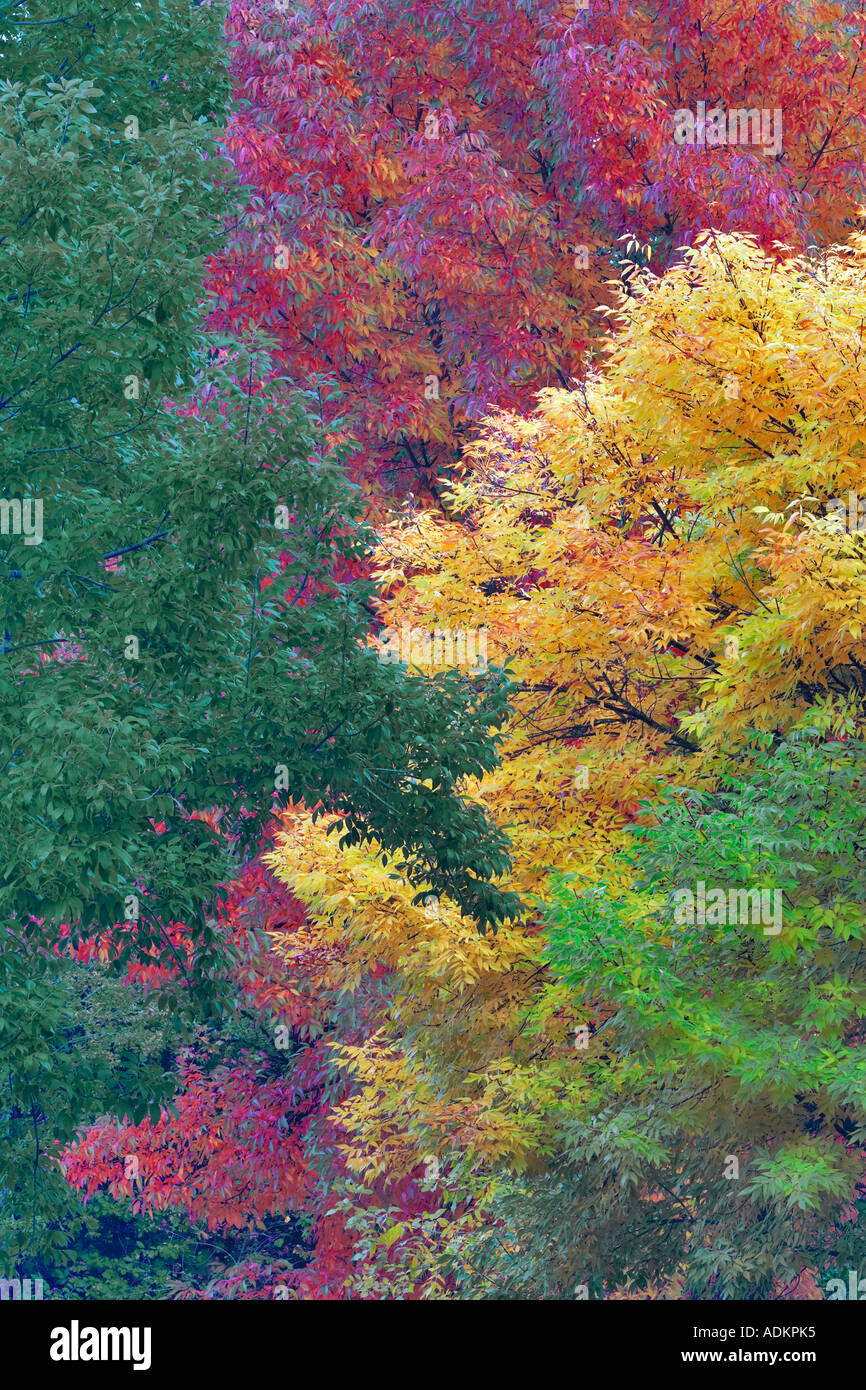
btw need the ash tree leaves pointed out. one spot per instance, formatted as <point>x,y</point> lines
<point>712,1043</point>
<point>149,676</point>
<point>650,554</point>
<point>462,1027</point>
<point>100,267</point>
<point>452,185</point>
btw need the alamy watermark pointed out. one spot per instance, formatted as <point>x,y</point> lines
<point>758,127</point>
<point>17,1289</point>
<point>849,511</point>
<point>22,518</point>
<point>77,1343</point>
<point>735,907</point>
<point>441,647</point>
<point>855,1289</point>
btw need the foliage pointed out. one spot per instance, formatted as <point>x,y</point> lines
<point>439,192</point>
<point>75,1040</point>
<point>154,681</point>
<point>646,559</point>
<point>721,1138</point>
<point>116,1256</point>
<point>432,1032</point>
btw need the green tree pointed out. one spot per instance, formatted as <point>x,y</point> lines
<point>721,1138</point>
<point>145,673</point>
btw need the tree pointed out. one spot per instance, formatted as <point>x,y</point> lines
<point>719,1150</point>
<point>659,559</point>
<point>156,697</point>
<point>439,192</point>
<point>99,268</point>
<point>607,546</point>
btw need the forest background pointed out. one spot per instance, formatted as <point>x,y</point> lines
<point>432,571</point>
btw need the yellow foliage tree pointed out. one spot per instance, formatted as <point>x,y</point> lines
<point>666,560</point>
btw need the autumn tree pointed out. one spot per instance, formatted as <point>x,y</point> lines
<point>159,695</point>
<point>718,1151</point>
<point>438,193</point>
<point>660,559</point>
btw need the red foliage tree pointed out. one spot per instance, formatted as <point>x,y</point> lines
<point>436,193</point>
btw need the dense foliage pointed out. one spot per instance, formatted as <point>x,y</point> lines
<point>433,706</point>
<point>141,740</point>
